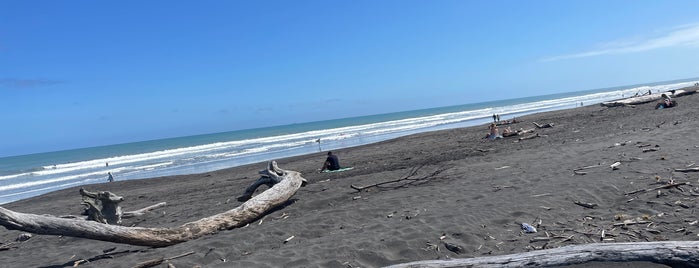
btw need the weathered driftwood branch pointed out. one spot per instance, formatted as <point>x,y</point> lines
<point>408,177</point>
<point>547,125</point>
<point>290,182</point>
<point>694,169</point>
<point>158,261</point>
<point>658,188</point>
<point>578,171</point>
<point>530,137</point>
<point>672,253</point>
<point>410,174</point>
<point>518,132</point>
<point>586,204</point>
<point>141,212</point>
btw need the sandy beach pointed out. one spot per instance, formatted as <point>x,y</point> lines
<point>465,190</point>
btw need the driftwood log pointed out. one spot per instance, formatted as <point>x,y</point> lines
<point>102,207</point>
<point>278,194</point>
<point>650,98</point>
<point>672,253</point>
<point>547,125</point>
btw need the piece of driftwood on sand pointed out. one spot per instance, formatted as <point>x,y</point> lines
<point>672,253</point>
<point>104,207</point>
<point>290,182</point>
<point>407,180</point>
<point>650,97</point>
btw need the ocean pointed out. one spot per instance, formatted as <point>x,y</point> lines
<point>32,175</point>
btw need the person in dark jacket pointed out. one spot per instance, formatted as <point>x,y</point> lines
<point>331,163</point>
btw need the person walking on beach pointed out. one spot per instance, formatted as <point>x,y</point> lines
<point>110,178</point>
<point>331,163</point>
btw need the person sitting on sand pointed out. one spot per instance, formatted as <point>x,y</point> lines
<point>264,179</point>
<point>506,132</point>
<point>331,163</point>
<point>666,102</point>
<point>494,132</point>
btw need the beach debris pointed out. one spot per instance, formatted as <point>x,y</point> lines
<point>632,222</point>
<point>685,170</point>
<point>149,263</point>
<point>407,180</point>
<point>158,261</point>
<point>547,125</point>
<point>586,204</point>
<point>104,207</point>
<point>23,237</point>
<point>539,239</point>
<point>677,253</point>
<point>615,166</point>
<point>530,137</point>
<point>141,212</point>
<point>500,187</point>
<point>528,228</point>
<point>81,261</point>
<point>578,171</point>
<point>453,247</point>
<point>658,188</point>
<point>430,246</point>
<point>289,239</point>
<point>650,150</point>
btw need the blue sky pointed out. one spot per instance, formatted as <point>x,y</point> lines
<point>86,73</point>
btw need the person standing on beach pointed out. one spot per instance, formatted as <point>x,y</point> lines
<point>494,117</point>
<point>331,163</point>
<point>110,178</point>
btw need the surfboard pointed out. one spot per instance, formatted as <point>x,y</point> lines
<point>338,170</point>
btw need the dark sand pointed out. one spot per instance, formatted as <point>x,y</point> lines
<point>485,189</point>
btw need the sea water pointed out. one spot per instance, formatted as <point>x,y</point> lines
<point>31,175</point>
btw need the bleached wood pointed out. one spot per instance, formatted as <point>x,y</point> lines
<point>278,194</point>
<point>672,253</point>
<point>649,98</point>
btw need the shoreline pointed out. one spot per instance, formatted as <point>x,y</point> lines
<point>194,157</point>
<point>472,191</point>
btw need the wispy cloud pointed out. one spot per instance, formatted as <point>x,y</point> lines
<point>27,83</point>
<point>681,36</point>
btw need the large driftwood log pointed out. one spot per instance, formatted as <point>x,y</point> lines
<point>290,182</point>
<point>649,98</point>
<point>672,253</point>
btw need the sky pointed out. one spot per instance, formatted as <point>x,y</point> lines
<point>77,74</point>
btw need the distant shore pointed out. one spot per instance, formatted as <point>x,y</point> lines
<point>465,190</point>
